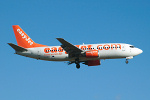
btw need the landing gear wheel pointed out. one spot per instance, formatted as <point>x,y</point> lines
<point>77,63</point>
<point>77,66</point>
<point>127,61</point>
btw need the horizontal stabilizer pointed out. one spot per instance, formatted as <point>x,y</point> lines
<point>17,48</point>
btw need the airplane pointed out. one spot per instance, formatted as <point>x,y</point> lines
<point>88,54</point>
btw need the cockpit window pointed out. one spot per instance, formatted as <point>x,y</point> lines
<point>132,47</point>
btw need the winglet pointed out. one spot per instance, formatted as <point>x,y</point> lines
<point>23,39</point>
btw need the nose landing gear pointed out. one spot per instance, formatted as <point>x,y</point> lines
<point>127,61</point>
<point>130,57</point>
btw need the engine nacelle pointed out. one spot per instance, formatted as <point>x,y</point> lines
<point>92,54</point>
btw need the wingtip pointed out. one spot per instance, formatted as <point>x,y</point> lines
<point>9,43</point>
<point>59,38</point>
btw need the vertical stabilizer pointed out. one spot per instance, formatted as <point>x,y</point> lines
<point>23,39</point>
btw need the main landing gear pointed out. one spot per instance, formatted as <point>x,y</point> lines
<point>77,63</point>
<point>77,66</point>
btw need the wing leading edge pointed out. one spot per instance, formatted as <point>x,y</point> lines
<point>72,50</point>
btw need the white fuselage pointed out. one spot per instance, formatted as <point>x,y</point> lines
<point>89,54</point>
<point>105,51</point>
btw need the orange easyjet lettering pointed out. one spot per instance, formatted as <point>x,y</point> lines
<point>112,45</point>
<point>106,47</point>
<point>47,50</point>
<point>53,49</point>
<point>77,46</point>
<point>60,49</point>
<point>88,47</point>
<point>100,47</point>
<point>83,47</point>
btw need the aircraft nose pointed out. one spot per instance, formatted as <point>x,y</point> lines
<point>139,51</point>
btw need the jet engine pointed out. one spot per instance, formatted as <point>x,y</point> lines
<point>92,54</point>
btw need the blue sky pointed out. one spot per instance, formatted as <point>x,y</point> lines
<point>77,21</point>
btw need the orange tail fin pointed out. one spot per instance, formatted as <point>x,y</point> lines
<point>23,39</point>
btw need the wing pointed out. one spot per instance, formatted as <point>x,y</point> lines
<point>69,48</point>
